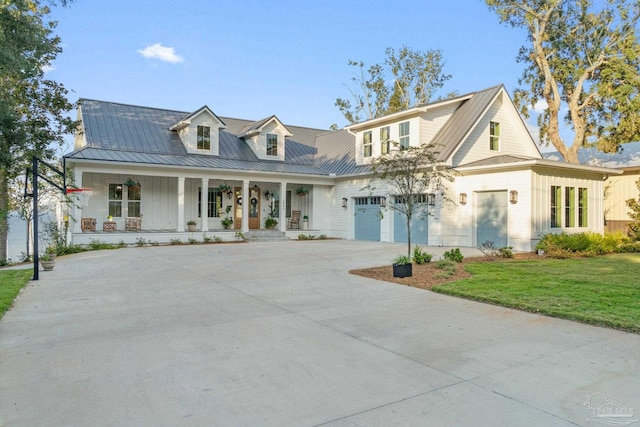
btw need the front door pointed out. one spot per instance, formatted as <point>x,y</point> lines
<point>254,208</point>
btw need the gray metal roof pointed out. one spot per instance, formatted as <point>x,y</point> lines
<point>336,153</point>
<point>127,133</point>
<point>450,136</point>
<point>497,160</point>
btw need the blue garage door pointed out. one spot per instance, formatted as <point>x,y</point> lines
<point>419,224</point>
<point>367,218</point>
<point>492,218</point>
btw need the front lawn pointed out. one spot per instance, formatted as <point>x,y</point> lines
<point>602,290</point>
<point>11,281</point>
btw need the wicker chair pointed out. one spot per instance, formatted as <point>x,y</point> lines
<point>294,221</point>
<point>88,224</point>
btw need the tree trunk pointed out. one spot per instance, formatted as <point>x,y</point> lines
<point>4,215</point>
<point>409,236</point>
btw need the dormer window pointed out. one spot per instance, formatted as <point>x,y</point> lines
<point>272,144</point>
<point>404,135</point>
<point>384,140</point>
<point>204,138</point>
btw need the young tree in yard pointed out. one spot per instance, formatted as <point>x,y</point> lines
<point>405,177</point>
<point>581,58</point>
<point>406,78</point>
<point>634,214</point>
<point>32,108</point>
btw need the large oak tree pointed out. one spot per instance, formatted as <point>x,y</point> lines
<point>582,57</point>
<point>33,109</point>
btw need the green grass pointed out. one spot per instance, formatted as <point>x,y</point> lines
<point>11,281</point>
<point>602,291</point>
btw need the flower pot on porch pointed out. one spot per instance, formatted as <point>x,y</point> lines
<point>402,270</point>
<point>192,228</point>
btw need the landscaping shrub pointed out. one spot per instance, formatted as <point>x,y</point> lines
<point>585,244</point>
<point>489,249</point>
<point>506,252</point>
<point>420,256</point>
<point>453,255</point>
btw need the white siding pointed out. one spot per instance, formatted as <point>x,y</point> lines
<point>394,136</point>
<point>433,120</point>
<point>189,135</point>
<point>514,137</point>
<point>618,190</point>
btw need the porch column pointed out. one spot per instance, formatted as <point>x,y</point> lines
<point>204,204</point>
<point>180,224</point>
<point>245,206</point>
<point>283,206</point>
<point>76,211</point>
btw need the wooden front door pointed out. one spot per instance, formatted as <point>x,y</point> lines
<point>254,208</point>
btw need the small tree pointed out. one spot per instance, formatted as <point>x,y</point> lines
<point>408,175</point>
<point>634,214</point>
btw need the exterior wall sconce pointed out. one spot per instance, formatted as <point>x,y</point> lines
<point>513,197</point>
<point>431,199</point>
<point>267,194</point>
<point>463,198</point>
<point>383,202</point>
<point>344,202</point>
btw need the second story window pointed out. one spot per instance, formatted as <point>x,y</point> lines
<point>204,138</point>
<point>272,144</point>
<point>404,135</point>
<point>384,140</point>
<point>367,143</point>
<point>494,136</point>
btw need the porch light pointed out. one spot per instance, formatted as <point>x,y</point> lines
<point>383,202</point>
<point>431,199</point>
<point>267,194</point>
<point>463,198</point>
<point>513,197</point>
<point>344,202</point>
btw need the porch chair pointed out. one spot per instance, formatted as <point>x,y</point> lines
<point>88,224</point>
<point>133,224</point>
<point>294,221</point>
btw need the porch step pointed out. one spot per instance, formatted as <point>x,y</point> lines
<point>265,236</point>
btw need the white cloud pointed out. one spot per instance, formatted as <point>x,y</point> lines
<point>48,68</point>
<point>540,106</point>
<point>163,53</point>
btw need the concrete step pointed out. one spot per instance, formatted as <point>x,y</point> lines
<point>265,236</point>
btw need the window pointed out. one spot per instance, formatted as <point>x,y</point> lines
<point>204,138</point>
<point>214,202</point>
<point>272,144</point>
<point>133,200</point>
<point>404,135</point>
<point>366,143</point>
<point>556,201</point>
<point>115,200</point>
<point>570,207</point>
<point>583,212</point>
<point>384,140</point>
<point>494,136</point>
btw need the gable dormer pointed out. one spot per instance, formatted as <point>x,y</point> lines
<point>200,132</point>
<point>266,138</point>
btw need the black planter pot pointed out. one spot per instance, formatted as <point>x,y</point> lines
<point>403,270</point>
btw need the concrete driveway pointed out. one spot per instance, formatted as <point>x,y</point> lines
<point>279,334</point>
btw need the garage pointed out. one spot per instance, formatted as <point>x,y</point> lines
<point>367,218</point>
<point>419,224</point>
<point>491,222</point>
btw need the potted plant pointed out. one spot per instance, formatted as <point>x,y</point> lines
<point>270,223</point>
<point>191,225</point>
<point>46,262</point>
<point>227,222</point>
<point>305,222</point>
<point>51,252</point>
<point>225,188</point>
<point>110,218</point>
<point>402,266</point>
<point>301,191</point>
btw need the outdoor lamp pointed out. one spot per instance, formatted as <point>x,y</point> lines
<point>463,198</point>
<point>383,202</point>
<point>513,197</point>
<point>344,202</point>
<point>432,199</point>
<point>266,194</point>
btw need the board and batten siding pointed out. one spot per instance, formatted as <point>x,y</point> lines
<point>618,190</point>
<point>514,137</point>
<point>543,179</point>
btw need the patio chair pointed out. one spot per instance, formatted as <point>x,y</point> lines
<point>294,221</point>
<point>88,224</point>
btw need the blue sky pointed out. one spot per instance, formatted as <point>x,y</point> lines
<point>251,59</point>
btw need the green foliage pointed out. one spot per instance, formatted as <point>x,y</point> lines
<point>489,249</point>
<point>401,260</point>
<point>506,252</point>
<point>448,268</point>
<point>270,223</point>
<point>420,256</point>
<point>218,239</point>
<point>193,241</point>
<point>565,245</point>
<point>11,282</point>
<point>405,79</point>
<point>191,222</point>
<point>96,244</point>
<point>240,235</point>
<point>634,214</point>
<point>140,241</point>
<point>301,191</point>
<point>175,241</point>
<point>206,239</point>
<point>322,237</point>
<point>53,236</point>
<point>582,55</point>
<point>306,237</point>
<point>226,222</point>
<point>453,255</point>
